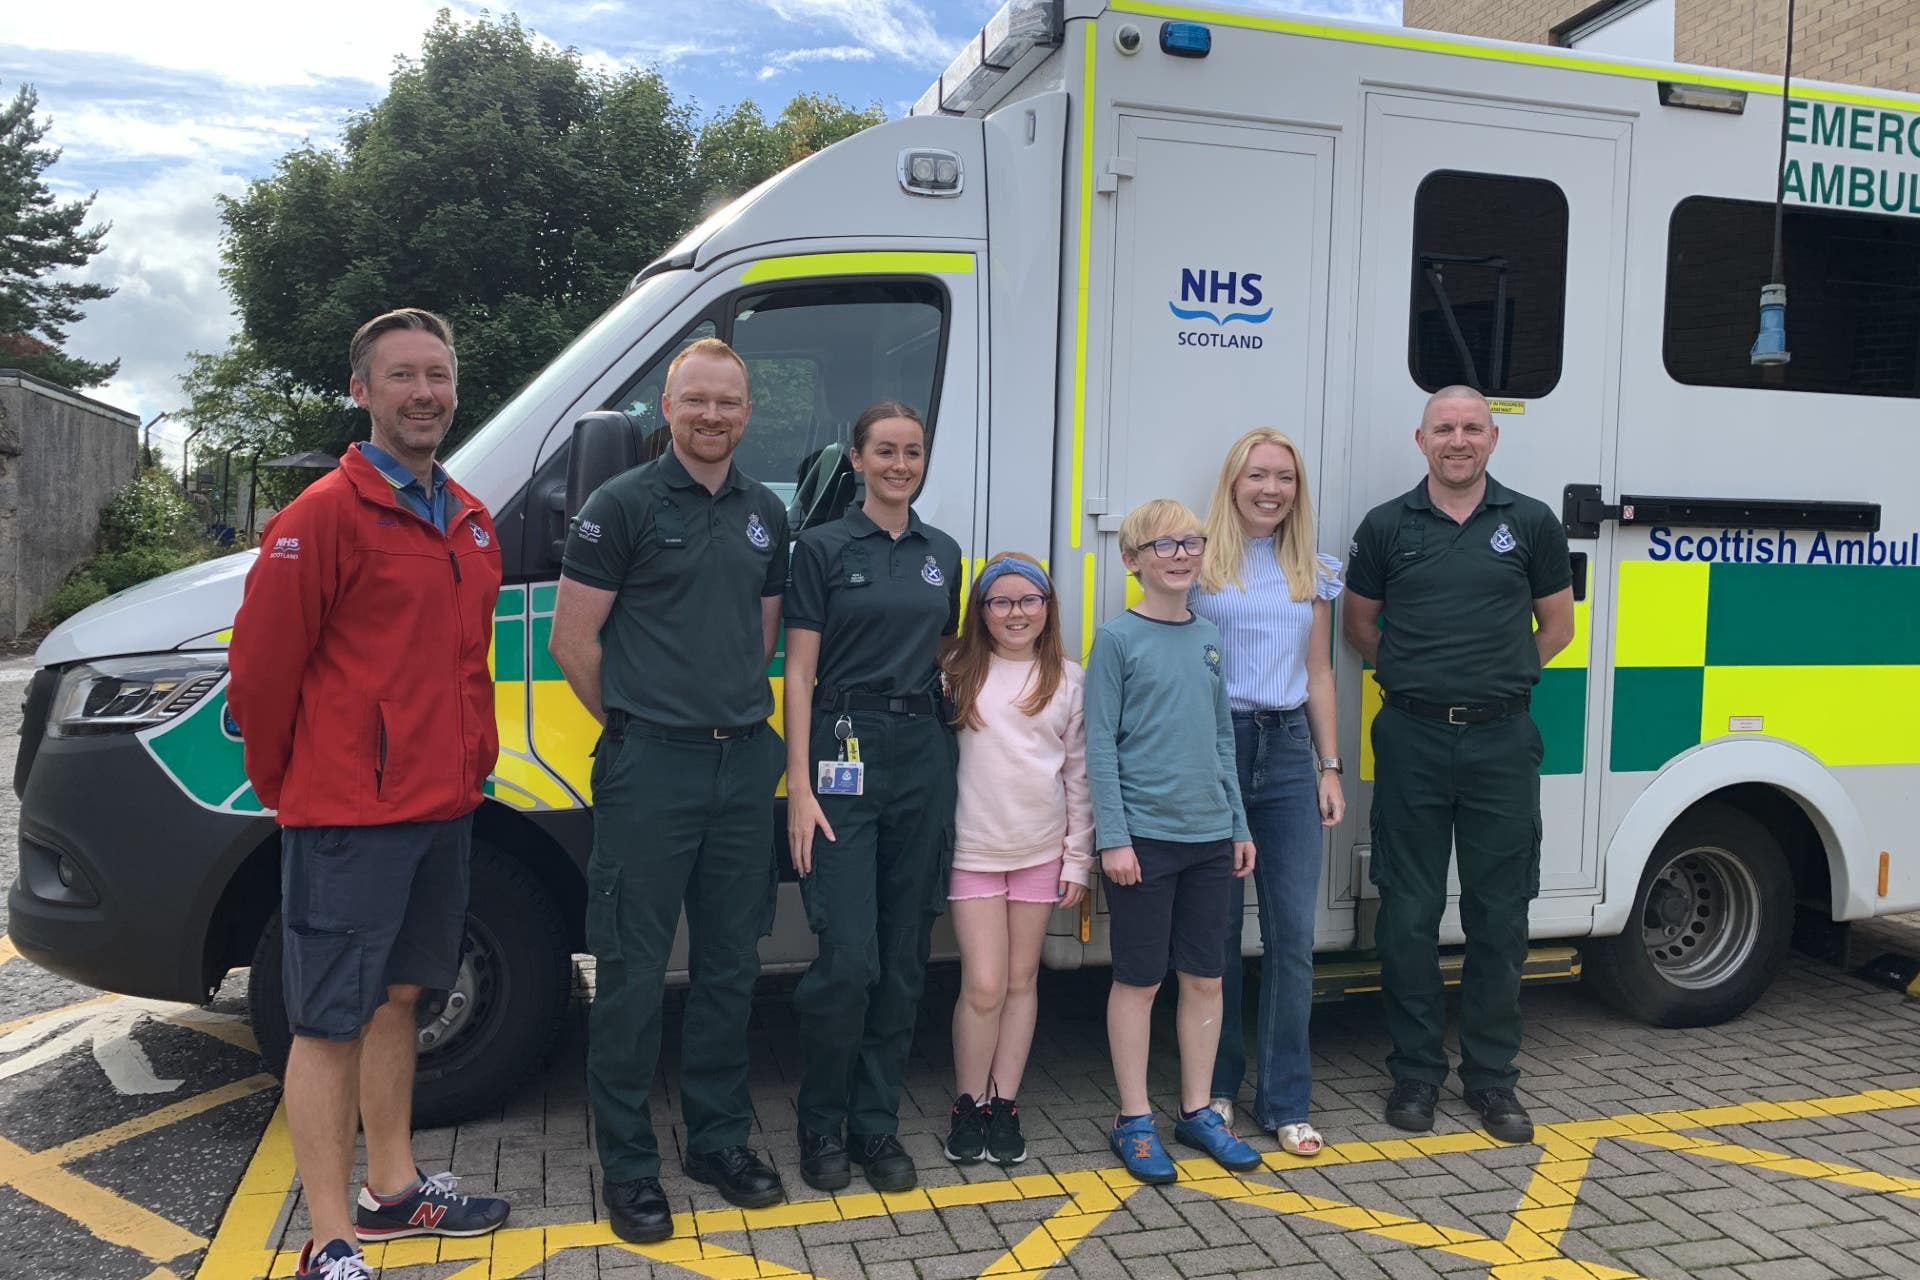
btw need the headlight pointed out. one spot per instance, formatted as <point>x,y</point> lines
<point>123,695</point>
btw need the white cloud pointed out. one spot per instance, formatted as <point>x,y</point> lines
<point>162,255</point>
<point>238,40</point>
<point>779,62</point>
<point>900,30</point>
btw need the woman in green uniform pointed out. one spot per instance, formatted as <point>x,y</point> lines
<point>870,763</point>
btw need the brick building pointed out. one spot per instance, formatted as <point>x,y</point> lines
<point>1871,42</point>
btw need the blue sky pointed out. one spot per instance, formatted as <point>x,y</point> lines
<point>159,108</point>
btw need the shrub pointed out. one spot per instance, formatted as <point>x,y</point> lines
<point>147,528</point>
<point>81,590</point>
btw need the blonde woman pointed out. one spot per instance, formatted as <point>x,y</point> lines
<point>1271,596</point>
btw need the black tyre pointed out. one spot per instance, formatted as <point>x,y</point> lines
<point>1710,924</point>
<point>499,1025</point>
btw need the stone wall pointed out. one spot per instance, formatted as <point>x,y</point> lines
<point>1870,42</point>
<point>62,455</point>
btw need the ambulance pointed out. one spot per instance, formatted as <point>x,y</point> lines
<point>1111,237</point>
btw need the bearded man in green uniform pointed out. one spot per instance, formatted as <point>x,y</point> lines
<point>1444,588</point>
<point>668,609</point>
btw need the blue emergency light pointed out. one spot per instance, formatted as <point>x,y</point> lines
<point>1770,348</point>
<point>1185,39</point>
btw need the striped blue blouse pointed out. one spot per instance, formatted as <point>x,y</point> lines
<point>1264,630</point>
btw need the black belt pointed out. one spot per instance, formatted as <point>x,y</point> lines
<point>619,721</point>
<point>1267,717</point>
<point>1460,712</point>
<point>918,704</point>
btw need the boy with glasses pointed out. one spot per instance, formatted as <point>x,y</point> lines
<point>1170,829</point>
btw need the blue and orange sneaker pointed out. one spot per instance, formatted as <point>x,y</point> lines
<point>1206,1131</point>
<point>1137,1143</point>
<point>431,1207</point>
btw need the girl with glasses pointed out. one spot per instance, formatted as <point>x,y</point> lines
<point>1023,833</point>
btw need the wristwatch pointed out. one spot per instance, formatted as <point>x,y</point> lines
<point>1330,763</point>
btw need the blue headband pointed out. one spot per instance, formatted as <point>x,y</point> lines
<point>1000,568</point>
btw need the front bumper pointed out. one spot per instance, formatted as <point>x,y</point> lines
<point>146,868</point>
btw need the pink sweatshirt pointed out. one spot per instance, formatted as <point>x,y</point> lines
<point>1023,779</point>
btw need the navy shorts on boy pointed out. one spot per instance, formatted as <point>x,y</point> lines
<point>1177,916</point>
<point>367,908</point>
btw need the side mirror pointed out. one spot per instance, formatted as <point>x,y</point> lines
<point>605,443</point>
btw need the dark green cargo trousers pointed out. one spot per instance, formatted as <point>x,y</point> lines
<point>676,820</point>
<point>1436,787</point>
<point>871,900</point>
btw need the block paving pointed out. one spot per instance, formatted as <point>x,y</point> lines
<point>1784,1145</point>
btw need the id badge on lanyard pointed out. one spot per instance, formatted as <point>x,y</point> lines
<point>846,775</point>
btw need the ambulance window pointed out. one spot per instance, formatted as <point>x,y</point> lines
<point>818,354</point>
<point>1489,283</point>
<point>1853,298</point>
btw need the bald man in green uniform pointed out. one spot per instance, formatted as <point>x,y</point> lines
<point>1445,586</point>
<point>668,609</point>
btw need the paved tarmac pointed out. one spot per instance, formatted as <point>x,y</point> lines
<point>142,1141</point>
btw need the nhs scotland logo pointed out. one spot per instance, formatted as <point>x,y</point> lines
<point>1220,298</point>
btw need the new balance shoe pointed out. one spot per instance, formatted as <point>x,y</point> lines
<point>1137,1143</point>
<point>338,1261</point>
<point>966,1131</point>
<point>1006,1146</point>
<point>1206,1131</point>
<point>431,1207</point>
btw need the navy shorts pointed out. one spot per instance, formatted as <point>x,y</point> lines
<point>364,908</point>
<point>1177,916</point>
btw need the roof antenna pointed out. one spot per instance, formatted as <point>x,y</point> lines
<point>1770,348</point>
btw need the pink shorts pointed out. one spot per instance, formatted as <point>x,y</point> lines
<point>1029,884</point>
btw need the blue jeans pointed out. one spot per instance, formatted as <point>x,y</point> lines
<point>1279,784</point>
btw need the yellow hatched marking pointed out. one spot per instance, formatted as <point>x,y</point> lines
<point>1530,1249</point>
<point>807,265</point>
<point>7,949</point>
<point>1662,615</point>
<point>1843,715</point>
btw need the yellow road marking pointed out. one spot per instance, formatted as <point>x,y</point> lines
<point>243,1248</point>
<point>7,949</point>
<point>104,1214</point>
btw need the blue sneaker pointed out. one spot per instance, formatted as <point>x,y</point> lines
<point>1209,1133</point>
<point>431,1208</point>
<point>1137,1143</point>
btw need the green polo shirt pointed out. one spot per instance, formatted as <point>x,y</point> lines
<point>880,603</point>
<point>1457,626</point>
<point>682,645</point>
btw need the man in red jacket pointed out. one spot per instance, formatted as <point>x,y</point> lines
<point>361,688</point>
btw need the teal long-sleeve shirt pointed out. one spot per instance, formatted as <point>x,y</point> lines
<point>1160,757</point>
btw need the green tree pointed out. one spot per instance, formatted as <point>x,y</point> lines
<point>245,407</point>
<point>38,237</point>
<point>501,183</point>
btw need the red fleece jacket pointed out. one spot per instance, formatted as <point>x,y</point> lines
<point>359,656</point>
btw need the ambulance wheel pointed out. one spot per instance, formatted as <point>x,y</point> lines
<point>498,1026</point>
<point>1710,923</point>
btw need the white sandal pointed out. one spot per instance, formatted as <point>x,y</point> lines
<point>1299,1139</point>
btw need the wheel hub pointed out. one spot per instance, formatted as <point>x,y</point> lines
<point>1701,917</point>
<point>442,1024</point>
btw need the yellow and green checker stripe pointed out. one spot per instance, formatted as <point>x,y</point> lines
<point>1824,656</point>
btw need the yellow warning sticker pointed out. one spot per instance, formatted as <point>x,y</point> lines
<point>1507,406</point>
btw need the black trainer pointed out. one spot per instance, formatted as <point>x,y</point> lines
<point>739,1175</point>
<point>1005,1144</point>
<point>823,1160</point>
<point>966,1130</point>
<point>637,1210</point>
<point>1410,1105</point>
<point>1501,1114</point>
<point>885,1162</point>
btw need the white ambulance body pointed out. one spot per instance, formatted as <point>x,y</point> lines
<point>1112,238</point>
